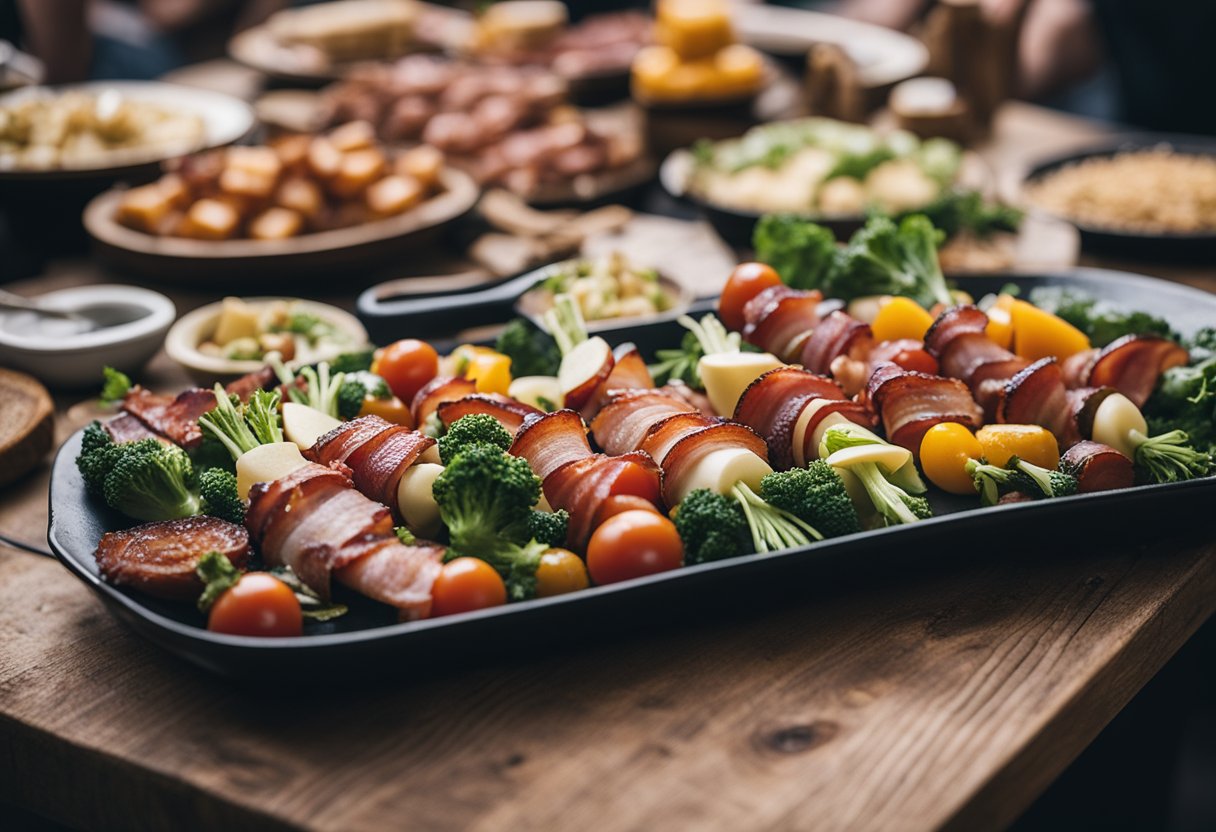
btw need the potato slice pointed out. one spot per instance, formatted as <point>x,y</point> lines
<point>354,135</point>
<point>356,171</point>
<point>304,426</point>
<point>323,158</point>
<point>727,375</point>
<point>267,463</point>
<point>300,195</point>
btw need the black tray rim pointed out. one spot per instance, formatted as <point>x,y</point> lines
<point>242,648</point>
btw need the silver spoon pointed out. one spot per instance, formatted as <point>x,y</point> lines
<point>9,300</point>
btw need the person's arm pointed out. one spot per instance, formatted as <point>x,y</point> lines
<point>57,32</point>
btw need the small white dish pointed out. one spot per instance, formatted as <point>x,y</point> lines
<point>182,342</point>
<point>59,355</point>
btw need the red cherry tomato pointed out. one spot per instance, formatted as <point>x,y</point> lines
<point>916,360</point>
<point>407,365</point>
<point>618,503</point>
<point>258,604</point>
<point>632,544</point>
<point>744,283</point>
<point>466,584</point>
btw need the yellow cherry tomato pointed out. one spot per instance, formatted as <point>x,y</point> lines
<point>1032,443</point>
<point>1000,320</point>
<point>1040,334</point>
<point>901,318</point>
<point>944,453</point>
<point>560,571</point>
<point>391,409</point>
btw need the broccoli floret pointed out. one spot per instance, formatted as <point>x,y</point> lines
<point>211,453</point>
<point>532,351</point>
<point>1169,457</point>
<point>152,481</point>
<point>772,528</point>
<point>481,492</point>
<point>227,424</point>
<point>475,429</point>
<point>885,259</point>
<point>114,385</point>
<point>712,527</point>
<point>352,362</point>
<point>802,253</point>
<point>98,453</point>
<point>1018,475</point>
<point>679,364</point>
<point>517,564</point>
<point>217,488</point>
<point>887,492</point>
<point>321,386</point>
<point>816,494</point>
<point>548,527</point>
<point>405,535</point>
<point>350,398</point>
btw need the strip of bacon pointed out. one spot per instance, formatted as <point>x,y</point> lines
<point>1131,364</point>
<point>696,398</point>
<point>126,428</point>
<point>1097,467</point>
<point>548,442</point>
<point>509,412</point>
<point>772,403</point>
<point>836,335</point>
<point>377,452</point>
<point>622,423</point>
<point>437,391</point>
<point>682,458</point>
<point>911,403</point>
<point>665,433</point>
<point>959,341</point>
<point>175,418</point>
<point>780,319</point>
<point>1036,396</point>
<point>582,485</point>
<point>248,384</point>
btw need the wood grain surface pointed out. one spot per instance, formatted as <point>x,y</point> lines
<point>927,696</point>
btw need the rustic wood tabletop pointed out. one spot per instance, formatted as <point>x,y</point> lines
<point>947,697</point>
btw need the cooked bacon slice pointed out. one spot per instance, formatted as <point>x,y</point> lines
<point>629,372</point>
<point>274,498</point>
<point>959,341</point>
<point>950,324</point>
<point>779,319</point>
<point>911,403</point>
<point>1133,364</point>
<point>173,418</point>
<point>622,423</point>
<point>682,458</point>
<point>836,335</point>
<point>695,398</point>
<point>773,402</point>
<point>581,486</point>
<point>160,558</point>
<point>1097,467</point>
<point>437,391</point>
<point>248,384</point>
<point>393,573</point>
<point>1036,396</point>
<point>548,442</point>
<point>1083,404</point>
<point>345,439</point>
<point>665,433</point>
<point>383,460</point>
<point>126,428</point>
<point>509,412</point>
<point>1077,366</point>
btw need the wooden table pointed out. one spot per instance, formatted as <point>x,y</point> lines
<point>907,700</point>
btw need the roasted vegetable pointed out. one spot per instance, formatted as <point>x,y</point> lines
<point>98,452</point>
<point>532,351</point>
<point>1021,476</point>
<point>1101,320</point>
<point>243,427</point>
<point>217,488</point>
<point>548,527</point>
<point>149,480</point>
<point>475,429</point>
<point>712,527</point>
<point>815,494</point>
<point>356,387</point>
<point>1185,399</point>
<point>892,490</point>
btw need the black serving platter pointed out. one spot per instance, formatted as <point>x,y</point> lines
<point>1153,246</point>
<point>368,642</point>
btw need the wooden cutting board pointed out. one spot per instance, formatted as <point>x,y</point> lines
<point>27,424</point>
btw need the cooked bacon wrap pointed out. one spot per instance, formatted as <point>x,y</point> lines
<point>695,398</point>
<point>622,423</point>
<point>906,352</point>
<point>437,391</point>
<point>126,428</point>
<point>1131,364</point>
<point>1097,467</point>
<point>174,418</point>
<point>248,384</point>
<point>1036,396</point>
<point>665,433</point>
<point>629,372</point>
<point>548,442</point>
<point>1083,403</point>
<point>836,335</point>
<point>910,403</point>
<point>682,457</point>
<point>959,341</point>
<point>376,451</point>
<point>772,404</point>
<point>509,412</point>
<point>313,521</point>
<point>581,486</point>
<point>779,320</point>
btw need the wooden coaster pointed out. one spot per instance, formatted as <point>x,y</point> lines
<point>27,424</point>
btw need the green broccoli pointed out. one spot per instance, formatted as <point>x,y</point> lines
<point>356,387</point>
<point>858,165</point>
<point>888,259</point>
<point>1019,475</point>
<point>772,528</point>
<point>211,453</point>
<point>405,535</point>
<point>1202,344</point>
<point>321,388</point>
<point>548,527</point>
<point>817,494</point>
<point>802,253</point>
<point>98,452</point>
<point>531,350</point>
<point>151,481</point>
<point>1185,399</point>
<point>481,492</point>
<point>475,429</point>
<point>895,496</point>
<point>517,564</point>
<point>353,362</point>
<point>114,385</point>
<point>712,527</point>
<point>242,428</point>
<point>1169,457</point>
<point>217,488</point>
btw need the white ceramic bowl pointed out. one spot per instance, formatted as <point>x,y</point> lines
<point>196,327</point>
<point>59,358</point>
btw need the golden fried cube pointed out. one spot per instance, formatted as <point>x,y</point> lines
<point>423,163</point>
<point>300,195</point>
<point>144,208</point>
<point>358,169</point>
<point>354,135</point>
<point>210,219</point>
<point>292,151</point>
<point>323,158</point>
<point>276,223</point>
<point>246,183</point>
<point>394,195</point>
<point>258,161</point>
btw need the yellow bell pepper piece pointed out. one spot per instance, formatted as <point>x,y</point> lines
<point>491,371</point>
<point>901,318</point>
<point>1032,443</point>
<point>1000,320</point>
<point>391,409</point>
<point>1039,334</point>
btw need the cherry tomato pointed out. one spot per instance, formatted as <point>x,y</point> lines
<point>944,453</point>
<point>258,604</point>
<point>406,366</point>
<point>560,571</point>
<point>632,544</point>
<point>618,503</point>
<point>744,283</point>
<point>917,360</point>
<point>466,584</point>
<point>637,480</point>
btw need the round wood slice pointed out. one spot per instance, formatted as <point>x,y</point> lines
<point>27,424</point>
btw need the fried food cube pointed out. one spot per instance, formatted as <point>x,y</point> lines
<point>323,158</point>
<point>175,189</point>
<point>259,161</point>
<point>423,163</point>
<point>300,195</point>
<point>276,223</point>
<point>144,208</point>
<point>394,194</point>
<point>246,183</point>
<point>358,169</point>
<point>292,151</point>
<point>354,135</point>
<point>210,219</point>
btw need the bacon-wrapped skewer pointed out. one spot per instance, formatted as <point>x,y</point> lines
<point>509,412</point>
<point>315,522</point>
<point>1131,364</point>
<point>910,403</point>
